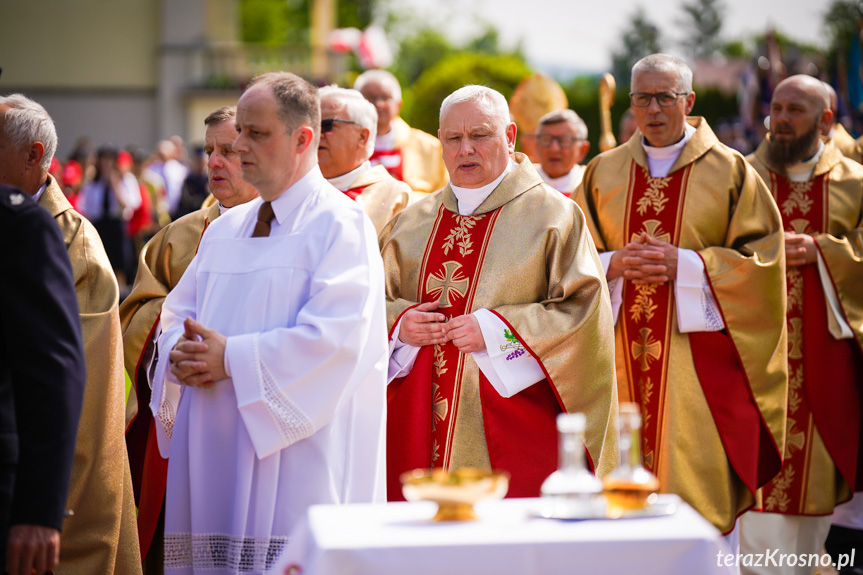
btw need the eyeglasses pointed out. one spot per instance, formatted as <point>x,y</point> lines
<point>664,99</point>
<point>545,140</point>
<point>328,123</point>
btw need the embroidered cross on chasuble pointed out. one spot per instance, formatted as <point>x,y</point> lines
<point>821,371</point>
<point>655,206</point>
<point>423,406</point>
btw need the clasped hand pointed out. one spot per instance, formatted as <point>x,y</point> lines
<point>198,359</point>
<point>800,249</point>
<point>421,326</point>
<point>645,260</point>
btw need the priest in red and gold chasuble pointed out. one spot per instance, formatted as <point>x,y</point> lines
<point>820,196</point>
<point>525,255</point>
<point>713,402</point>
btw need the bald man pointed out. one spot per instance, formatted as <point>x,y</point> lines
<point>834,131</point>
<point>819,193</point>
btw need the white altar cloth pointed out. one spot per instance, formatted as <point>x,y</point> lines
<point>401,539</point>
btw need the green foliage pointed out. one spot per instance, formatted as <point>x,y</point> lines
<point>277,22</point>
<point>840,21</point>
<point>640,39</point>
<point>271,21</point>
<point>423,99</point>
<point>702,22</point>
<point>736,49</point>
<point>420,52</point>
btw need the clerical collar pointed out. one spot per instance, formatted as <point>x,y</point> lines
<point>41,191</point>
<point>832,132</point>
<point>660,160</point>
<point>386,142</point>
<point>802,171</point>
<point>566,183</point>
<point>469,199</point>
<point>346,180</point>
<point>223,209</point>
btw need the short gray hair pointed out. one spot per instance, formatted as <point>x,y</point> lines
<point>566,115</point>
<point>474,93</point>
<point>381,76</point>
<point>665,63</point>
<point>358,108</point>
<point>27,122</point>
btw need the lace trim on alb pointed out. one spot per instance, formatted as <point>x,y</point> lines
<point>219,552</point>
<point>292,423</point>
<point>712,317</point>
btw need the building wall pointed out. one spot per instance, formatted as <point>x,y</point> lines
<point>80,44</point>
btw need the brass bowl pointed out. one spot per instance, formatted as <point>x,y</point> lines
<point>455,491</point>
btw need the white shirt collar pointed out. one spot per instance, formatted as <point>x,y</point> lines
<point>469,199</point>
<point>660,160</point>
<point>41,191</point>
<point>802,171</point>
<point>386,142</point>
<point>346,180</point>
<point>565,183</point>
<point>293,196</point>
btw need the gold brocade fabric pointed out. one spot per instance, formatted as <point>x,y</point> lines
<point>160,266</point>
<point>730,219</point>
<point>422,162</point>
<point>842,251</point>
<point>383,196</point>
<point>101,536</point>
<point>541,273</point>
<point>843,141</point>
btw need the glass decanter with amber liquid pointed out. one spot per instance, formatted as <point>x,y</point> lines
<point>571,492</point>
<point>630,487</point>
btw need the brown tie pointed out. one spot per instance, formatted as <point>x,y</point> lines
<point>265,216</point>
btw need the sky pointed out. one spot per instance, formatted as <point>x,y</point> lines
<point>579,35</point>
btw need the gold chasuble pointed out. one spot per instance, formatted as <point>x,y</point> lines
<point>526,256</point>
<point>416,159</point>
<point>843,141</point>
<point>162,262</point>
<point>713,403</point>
<point>380,195</point>
<point>101,536</point>
<point>824,442</point>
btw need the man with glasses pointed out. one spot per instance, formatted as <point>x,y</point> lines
<point>691,242</point>
<point>348,128</point>
<point>270,387</point>
<point>561,144</point>
<point>408,154</point>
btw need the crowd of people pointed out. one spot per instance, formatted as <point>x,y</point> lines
<point>329,298</point>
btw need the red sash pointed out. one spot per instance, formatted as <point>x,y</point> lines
<point>823,373</point>
<point>654,205</point>
<point>352,193</point>
<point>423,406</point>
<point>391,160</point>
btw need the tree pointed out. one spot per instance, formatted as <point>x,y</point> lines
<point>419,52</point>
<point>702,20</point>
<point>423,100</point>
<point>640,39</point>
